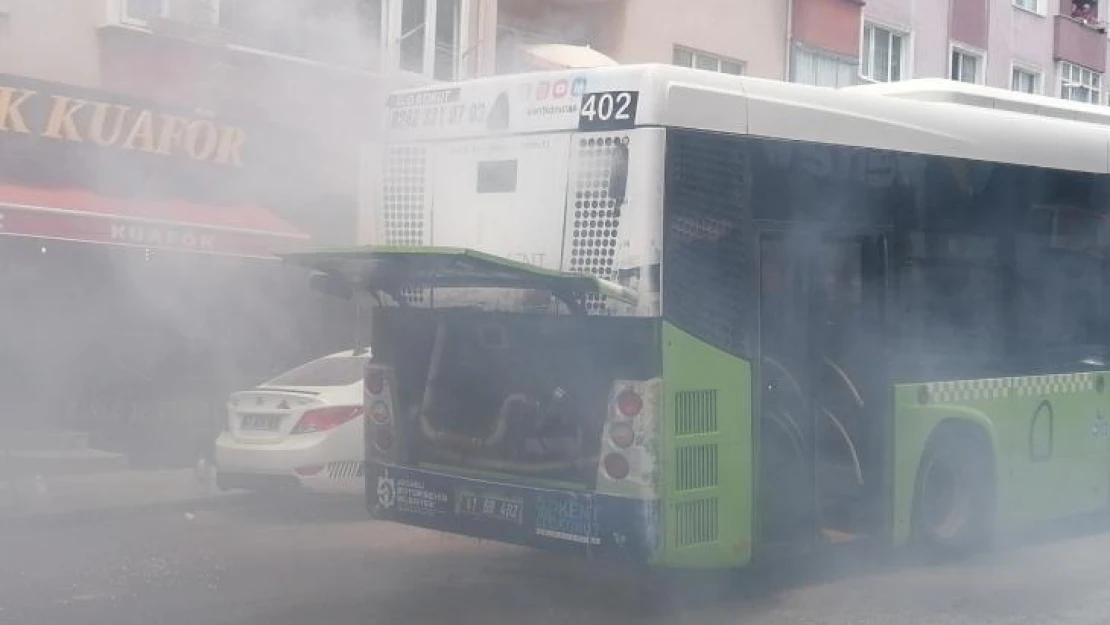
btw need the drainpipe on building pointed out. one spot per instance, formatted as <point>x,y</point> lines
<point>789,39</point>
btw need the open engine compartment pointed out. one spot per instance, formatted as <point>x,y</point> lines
<point>524,395</point>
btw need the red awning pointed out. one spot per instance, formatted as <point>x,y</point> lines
<point>76,215</point>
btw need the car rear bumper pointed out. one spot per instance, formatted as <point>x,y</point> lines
<point>281,458</point>
<point>581,523</point>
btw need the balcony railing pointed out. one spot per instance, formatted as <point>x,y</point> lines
<point>1080,43</point>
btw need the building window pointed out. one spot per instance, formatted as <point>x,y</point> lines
<point>142,12</point>
<point>1025,80</point>
<point>431,37</point>
<point>1085,11</point>
<point>883,54</point>
<point>687,57</point>
<point>812,67</point>
<point>1033,6</point>
<point>966,66</point>
<point>1079,84</point>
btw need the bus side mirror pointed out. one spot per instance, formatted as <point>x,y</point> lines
<point>618,176</point>
<point>330,284</point>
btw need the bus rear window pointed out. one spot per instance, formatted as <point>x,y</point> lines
<point>497,176</point>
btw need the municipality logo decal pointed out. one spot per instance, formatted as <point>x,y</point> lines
<point>386,492</point>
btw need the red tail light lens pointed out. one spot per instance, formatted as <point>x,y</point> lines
<point>375,381</point>
<point>629,403</point>
<point>383,439</point>
<point>622,435</point>
<point>323,419</point>
<point>616,466</point>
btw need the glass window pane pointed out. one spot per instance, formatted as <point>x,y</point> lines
<point>882,56</point>
<point>866,63</point>
<point>447,38</point>
<point>413,31</point>
<point>730,67</point>
<point>896,44</point>
<point>683,57</point>
<point>706,62</point>
<point>143,9</point>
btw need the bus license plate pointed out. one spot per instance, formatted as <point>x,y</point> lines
<point>491,506</point>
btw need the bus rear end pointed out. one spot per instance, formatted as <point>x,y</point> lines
<point>515,391</point>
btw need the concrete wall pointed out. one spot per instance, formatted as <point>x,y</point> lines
<point>52,39</point>
<point>752,31</point>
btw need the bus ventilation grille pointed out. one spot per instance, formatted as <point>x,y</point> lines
<point>697,467</point>
<point>696,522</point>
<point>593,244</point>
<point>403,203</point>
<point>695,412</point>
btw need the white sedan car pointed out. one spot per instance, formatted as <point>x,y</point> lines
<point>301,429</point>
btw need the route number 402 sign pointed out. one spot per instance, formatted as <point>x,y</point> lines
<point>608,110</point>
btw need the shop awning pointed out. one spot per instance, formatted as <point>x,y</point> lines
<point>77,215</point>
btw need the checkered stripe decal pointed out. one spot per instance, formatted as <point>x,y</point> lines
<point>969,390</point>
<point>999,388</point>
<point>1054,384</point>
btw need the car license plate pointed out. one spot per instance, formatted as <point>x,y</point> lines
<point>490,506</point>
<point>261,421</point>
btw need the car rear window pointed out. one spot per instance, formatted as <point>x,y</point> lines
<point>336,371</point>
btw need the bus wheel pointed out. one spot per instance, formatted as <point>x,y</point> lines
<point>953,506</point>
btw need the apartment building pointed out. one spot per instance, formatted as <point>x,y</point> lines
<point>1051,47</point>
<point>746,37</point>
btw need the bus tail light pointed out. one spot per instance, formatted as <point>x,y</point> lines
<point>629,403</point>
<point>629,445</point>
<point>379,412</point>
<point>381,435</point>
<point>616,466</point>
<point>374,382</point>
<point>383,439</point>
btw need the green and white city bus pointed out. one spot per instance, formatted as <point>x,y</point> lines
<point>688,319</point>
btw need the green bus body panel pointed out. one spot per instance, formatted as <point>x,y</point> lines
<point>707,455</point>
<point>1050,436</point>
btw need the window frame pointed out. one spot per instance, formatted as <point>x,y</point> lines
<point>905,38</point>
<point>965,50</point>
<point>850,65</point>
<point>1037,9</point>
<point>719,60</point>
<point>1037,74</point>
<point>392,35</point>
<point>1060,82</point>
<point>126,17</point>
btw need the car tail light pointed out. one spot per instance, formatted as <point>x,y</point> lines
<point>629,403</point>
<point>616,466</point>
<point>383,439</point>
<point>374,381</point>
<point>323,419</point>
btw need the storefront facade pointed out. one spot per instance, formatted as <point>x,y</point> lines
<point>137,262</point>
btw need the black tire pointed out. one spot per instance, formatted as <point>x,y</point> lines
<point>953,508</point>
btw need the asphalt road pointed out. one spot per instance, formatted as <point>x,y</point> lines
<point>308,562</point>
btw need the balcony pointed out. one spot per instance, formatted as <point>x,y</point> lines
<point>1080,42</point>
<point>828,25</point>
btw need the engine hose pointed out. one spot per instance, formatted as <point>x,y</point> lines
<point>495,437</point>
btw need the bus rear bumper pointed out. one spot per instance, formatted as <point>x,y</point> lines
<point>582,523</point>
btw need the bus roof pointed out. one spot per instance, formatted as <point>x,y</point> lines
<point>923,116</point>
